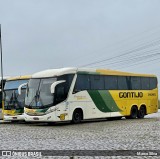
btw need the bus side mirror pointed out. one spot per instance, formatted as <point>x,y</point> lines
<point>20,87</point>
<point>55,84</point>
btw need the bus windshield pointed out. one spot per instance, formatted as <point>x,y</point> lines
<point>12,100</point>
<point>39,96</point>
<point>39,93</point>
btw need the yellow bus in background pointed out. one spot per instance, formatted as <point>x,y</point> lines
<point>14,102</point>
<point>1,95</point>
<point>76,94</point>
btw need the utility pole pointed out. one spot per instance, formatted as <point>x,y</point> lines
<point>1,66</point>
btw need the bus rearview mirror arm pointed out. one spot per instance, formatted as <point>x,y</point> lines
<point>55,84</point>
<point>20,87</point>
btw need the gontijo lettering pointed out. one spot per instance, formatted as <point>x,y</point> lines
<point>130,95</point>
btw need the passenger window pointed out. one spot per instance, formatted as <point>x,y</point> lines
<point>97,82</point>
<point>82,83</point>
<point>111,83</point>
<point>145,83</point>
<point>122,83</point>
<point>153,82</point>
<point>136,83</point>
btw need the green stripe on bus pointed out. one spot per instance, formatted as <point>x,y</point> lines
<point>19,110</point>
<point>41,110</point>
<point>103,101</point>
<point>109,101</point>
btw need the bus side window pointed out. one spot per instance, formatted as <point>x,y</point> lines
<point>153,83</point>
<point>97,82</point>
<point>122,83</point>
<point>111,83</point>
<point>145,83</point>
<point>136,83</point>
<point>82,83</point>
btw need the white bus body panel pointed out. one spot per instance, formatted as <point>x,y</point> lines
<point>13,118</point>
<point>80,100</point>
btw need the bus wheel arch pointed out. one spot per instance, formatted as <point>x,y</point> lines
<point>77,115</point>
<point>142,111</point>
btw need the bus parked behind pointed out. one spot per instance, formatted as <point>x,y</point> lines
<point>14,102</point>
<point>1,95</point>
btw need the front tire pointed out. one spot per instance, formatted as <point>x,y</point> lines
<point>77,116</point>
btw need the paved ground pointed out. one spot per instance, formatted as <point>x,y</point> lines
<point>138,134</point>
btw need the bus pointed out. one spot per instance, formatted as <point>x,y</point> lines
<point>76,94</point>
<point>13,102</point>
<point>1,95</point>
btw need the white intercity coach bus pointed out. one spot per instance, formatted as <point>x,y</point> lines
<point>75,94</point>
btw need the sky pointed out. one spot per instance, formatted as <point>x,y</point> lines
<point>113,34</point>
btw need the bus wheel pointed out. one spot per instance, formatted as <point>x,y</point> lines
<point>134,112</point>
<point>141,112</point>
<point>77,116</point>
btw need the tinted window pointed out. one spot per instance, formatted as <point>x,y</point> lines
<point>136,83</point>
<point>82,83</point>
<point>66,85</point>
<point>145,83</point>
<point>122,83</point>
<point>111,82</point>
<point>97,82</point>
<point>153,82</point>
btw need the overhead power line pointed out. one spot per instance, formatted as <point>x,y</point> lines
<point>128,59</point>
<point>142,63</point>
<point>149,45</point>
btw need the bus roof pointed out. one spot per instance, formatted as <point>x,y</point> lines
<point>72,70</point>
<point>4,78</point>
<point>19,77</point>
<point>54,72</point>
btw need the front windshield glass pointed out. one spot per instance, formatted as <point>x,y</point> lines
<point>12,100</point>
<point>39,96</point>
<point>39,93</point>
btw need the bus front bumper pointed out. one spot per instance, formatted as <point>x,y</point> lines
<point>13,118</point>
<point>41,118</point>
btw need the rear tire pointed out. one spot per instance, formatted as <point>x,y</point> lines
<point>141,112</point>
<point>77,116</point>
